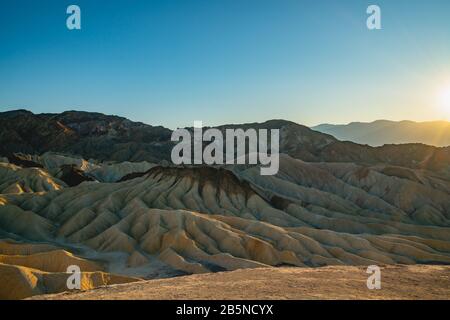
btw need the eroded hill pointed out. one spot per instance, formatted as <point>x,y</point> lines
<point>170,221</point>
<point>330,204</point>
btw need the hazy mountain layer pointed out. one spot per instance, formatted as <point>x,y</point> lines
<point>378,133</point>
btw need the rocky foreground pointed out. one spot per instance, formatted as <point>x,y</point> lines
<point>337,282</point>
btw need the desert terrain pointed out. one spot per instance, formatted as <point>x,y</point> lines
<point>100,192</point>
<point>337,282</point>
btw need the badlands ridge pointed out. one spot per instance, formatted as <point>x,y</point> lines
<point>128,221</point>
<point>168,221</point>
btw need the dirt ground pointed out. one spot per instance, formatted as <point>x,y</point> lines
<point>337,282</point>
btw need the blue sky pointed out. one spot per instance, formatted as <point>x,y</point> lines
<point>227,61</point>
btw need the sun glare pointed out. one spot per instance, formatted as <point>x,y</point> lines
<point>444,100</point>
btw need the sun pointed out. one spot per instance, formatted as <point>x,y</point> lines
<point>444,100</point>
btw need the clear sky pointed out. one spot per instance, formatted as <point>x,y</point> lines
<point>171,62</point>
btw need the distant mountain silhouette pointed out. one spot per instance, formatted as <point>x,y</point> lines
<point>380,132</point>
<point>112,138</point>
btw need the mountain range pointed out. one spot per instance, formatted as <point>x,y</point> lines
<point>112,138</point>
<point>381,132</point>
